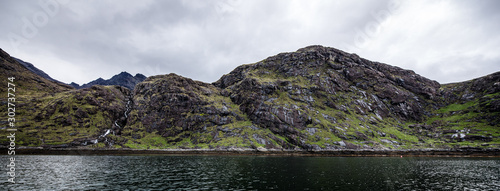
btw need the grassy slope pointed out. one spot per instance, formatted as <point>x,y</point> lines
<point>468,117</point>
<point>50,113</point>
<point>66,116</point>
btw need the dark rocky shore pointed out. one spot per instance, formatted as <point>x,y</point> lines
<point>461,152</point>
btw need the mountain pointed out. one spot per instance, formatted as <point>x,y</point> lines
<point>317,98</point>
<point>35,70</point>
<point>30,81</point>
<point>53,113</point>
<point>123,79</point>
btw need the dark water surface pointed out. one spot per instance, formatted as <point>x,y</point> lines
<point>250,173</point>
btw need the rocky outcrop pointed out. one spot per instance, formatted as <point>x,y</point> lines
<point>176,107</point>
<point>324,88</point>
<point>172,104</point>
<point>328,71</point>
<point>473,89</point>
<point>180,109</point>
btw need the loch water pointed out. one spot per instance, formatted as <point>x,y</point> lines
<point>195,172</point>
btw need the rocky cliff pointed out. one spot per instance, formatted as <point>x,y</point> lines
<point>316,98</point>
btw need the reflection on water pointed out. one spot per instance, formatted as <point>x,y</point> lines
<point>251,172</point>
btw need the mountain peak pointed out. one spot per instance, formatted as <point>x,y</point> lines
<point>124,74</point>
<point>138,75</point>
<point>317,48</point>
<point>124,79</point>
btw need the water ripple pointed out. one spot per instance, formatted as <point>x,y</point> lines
<point>251,173</point>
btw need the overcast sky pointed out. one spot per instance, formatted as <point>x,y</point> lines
<point>79,41</point>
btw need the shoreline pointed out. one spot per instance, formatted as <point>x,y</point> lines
<point>246,151</point>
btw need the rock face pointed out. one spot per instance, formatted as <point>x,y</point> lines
<point>319,72</point>
<point>327,89</point>
<point>180,109</point>
<point>316,98</point>
<point>172,104</point>
<point>123,79</point>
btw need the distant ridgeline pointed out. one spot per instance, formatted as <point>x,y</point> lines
<point>123,79</point>
<point>316,98</point>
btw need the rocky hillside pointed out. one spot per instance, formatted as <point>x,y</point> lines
<point>316,98</point>
<point>468,113</point>
<point>123,79</point>
<point>50,113</point>
<point>28,83</point>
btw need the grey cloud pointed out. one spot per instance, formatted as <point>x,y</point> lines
<point>205,39</point>
<point>461,67</point>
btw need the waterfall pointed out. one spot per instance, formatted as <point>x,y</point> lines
<point>108,131</point>
<point>103,137</point>
<point>95,141</point>
<point>125,114</point>
<point>127,108</point>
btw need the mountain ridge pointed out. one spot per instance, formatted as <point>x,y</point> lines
<point>35,70</point>
<point>316,98</point>
<point>124,79</point>
<point>29,81</point>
